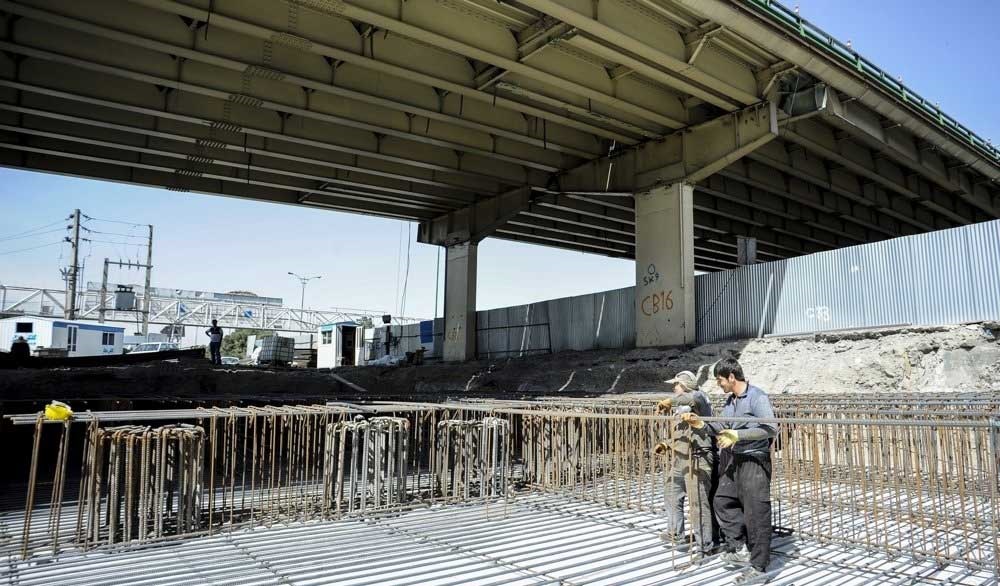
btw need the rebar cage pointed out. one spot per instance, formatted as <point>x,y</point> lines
<point>904,475</point>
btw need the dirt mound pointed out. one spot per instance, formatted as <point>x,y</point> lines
<point>939,359</point>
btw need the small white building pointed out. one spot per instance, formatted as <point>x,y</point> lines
<point>340,344</point>
<point>79,338</point>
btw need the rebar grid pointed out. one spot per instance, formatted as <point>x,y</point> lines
<point>908,479</point>
<point>545,539</point>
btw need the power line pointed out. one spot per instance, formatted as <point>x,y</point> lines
<point>113,242</point>
<point>406,275</point>
<point>32,235</point>
<point>26,232</point>
<point>399,258</point>
<point>113,233</point>
<point>112,221</point>
<point>30,248</point>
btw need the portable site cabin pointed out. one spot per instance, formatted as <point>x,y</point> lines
<point>340,344</point>
<point>79,338</point>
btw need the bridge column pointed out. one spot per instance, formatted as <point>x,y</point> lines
<point>459,232</point>
<point>460,303</point>
<point>664,266</point>
<point>661,174</point>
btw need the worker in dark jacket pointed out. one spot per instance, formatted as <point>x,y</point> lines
<point>214,334</point>
<point>20,351</point>
<point>743,497</point>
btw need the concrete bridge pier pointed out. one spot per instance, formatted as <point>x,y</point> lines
<point>661,174</point>
<point>460,233</point>
<point>664,266</point>
<point>460,302</point>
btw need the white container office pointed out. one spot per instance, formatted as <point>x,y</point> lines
<point>340,344</point>
<point>79,338</point>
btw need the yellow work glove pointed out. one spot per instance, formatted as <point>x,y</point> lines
<point>661,448</point>
<point>58,411</point>
<point>727,438</point>
<point>693,420</point>
<point>664,406</point>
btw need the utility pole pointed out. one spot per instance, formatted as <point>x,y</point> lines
<point>146,295</point>
<point>70,309</point>
<point>104,294</point>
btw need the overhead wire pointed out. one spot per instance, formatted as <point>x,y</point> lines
<point>406,274</point>
<point>399,255</point>
<point>29,248</point>
<point>32,235</point>
<point>112,221</point>
<point>19,234</point>
<point>92,231</point>
<point>113,242</point>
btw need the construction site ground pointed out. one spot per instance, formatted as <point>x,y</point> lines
<point>925,359</point>
<point>531,539</point>
<point>541,535</point>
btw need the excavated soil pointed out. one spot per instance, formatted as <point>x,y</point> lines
<point>937,359</point>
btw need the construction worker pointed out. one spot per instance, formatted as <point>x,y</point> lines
<point>20,351</point>
<point>694,465</point>
<point>743,497</point>
<point>214,334</point>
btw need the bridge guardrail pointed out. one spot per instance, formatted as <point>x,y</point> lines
<point>820,38</point>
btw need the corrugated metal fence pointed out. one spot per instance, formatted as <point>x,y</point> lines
<point>944,277</point>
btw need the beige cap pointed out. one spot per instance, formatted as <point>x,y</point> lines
<point>686,378</point>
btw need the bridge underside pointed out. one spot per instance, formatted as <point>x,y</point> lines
<point>529,120</point>
<point>420,108</point>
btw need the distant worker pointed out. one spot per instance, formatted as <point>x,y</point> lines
<point>20,351</point>
<point>743,497</point>
<point>693,474</point>
<point>215,342</point>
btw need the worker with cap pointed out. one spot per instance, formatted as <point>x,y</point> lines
<point>743,498</point>
<point>694,463</point>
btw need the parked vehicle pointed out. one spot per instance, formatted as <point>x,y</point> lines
<point>230,360</point>
<point>148,347</point>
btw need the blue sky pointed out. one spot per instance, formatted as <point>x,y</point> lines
<point>220,244</point>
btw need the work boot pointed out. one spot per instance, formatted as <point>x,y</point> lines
<point>751,576</point>
<point>671,537</point>
<point>703,554</point>
<point>677,541</point>
<point>739,557</point>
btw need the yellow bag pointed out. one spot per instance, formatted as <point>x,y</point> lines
<point>58,411</point>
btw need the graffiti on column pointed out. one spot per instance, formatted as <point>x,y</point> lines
<point>454,332</point>
<point>660,299</point>
<point>651,276</point>
<point>657,302</point>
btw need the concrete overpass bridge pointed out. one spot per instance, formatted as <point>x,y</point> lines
<point>680,133</point>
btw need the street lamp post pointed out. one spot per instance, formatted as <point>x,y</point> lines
<point>304,281</point>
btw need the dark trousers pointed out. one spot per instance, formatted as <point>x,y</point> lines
<point>215,349</point>
<point>743,504</point>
